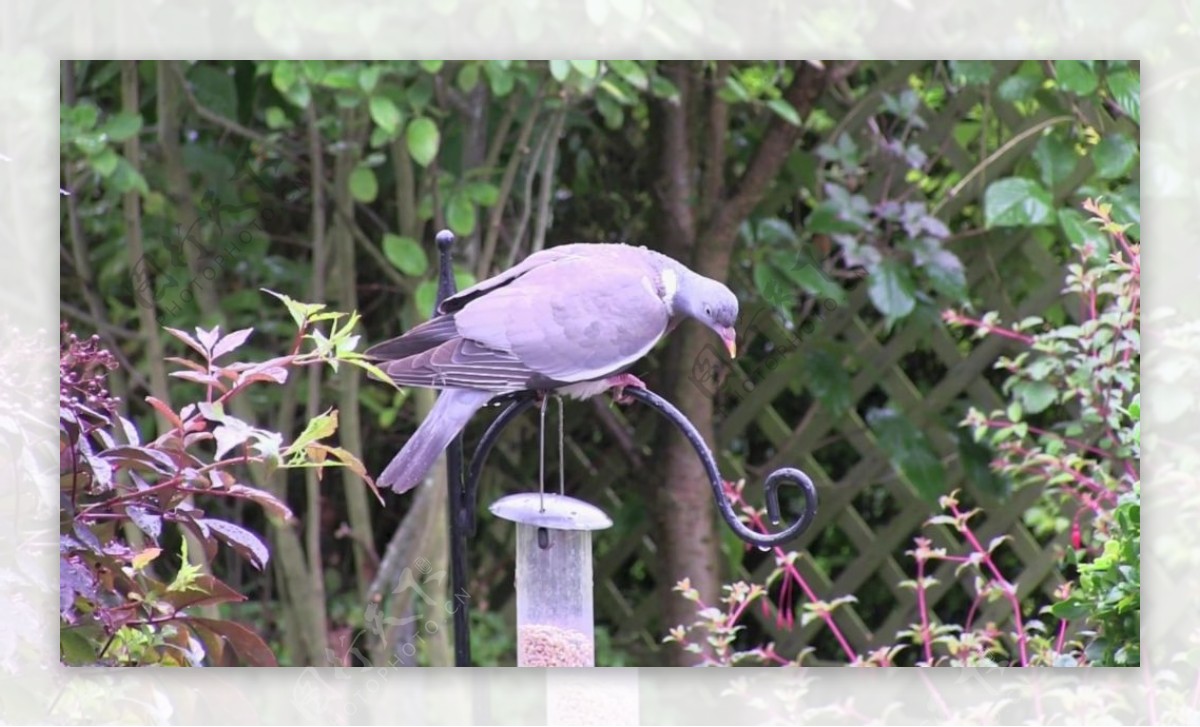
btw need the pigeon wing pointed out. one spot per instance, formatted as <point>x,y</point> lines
<point>577,320</point>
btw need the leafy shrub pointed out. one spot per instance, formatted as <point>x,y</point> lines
<point>123,599</point>
<point>1089,459</point>
<point>1072,425</point>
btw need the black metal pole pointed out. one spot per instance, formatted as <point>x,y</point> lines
<point>457,501</point>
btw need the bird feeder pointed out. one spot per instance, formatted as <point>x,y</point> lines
<point>555,624</point>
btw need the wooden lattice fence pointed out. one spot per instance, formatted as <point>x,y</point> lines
<point>865,504</point>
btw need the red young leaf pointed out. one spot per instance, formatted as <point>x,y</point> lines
<point>201,530</point>
<point>140,455</point>
<point>230,435</point>
<point>204,591</point>
<point>148,522</point>
<point>199,378</point>
<point>186,338</point>
<point>214,646</point>
<point>241,539</point>
<point>250,648</point>
<point>187,364</point>
<point>276,375</point>
<point>208,338</point>
<point>230,342</point>
<point>262,497</point>
<point>277,362</point>
<point>166,411</point>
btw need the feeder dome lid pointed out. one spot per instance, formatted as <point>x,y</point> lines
<point>550,510</point>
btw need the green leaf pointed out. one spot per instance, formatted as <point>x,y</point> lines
<point>499,78</point>
<point>276,118</point>
<point>423,140</point>
<point>664,89</point>
<point>1071,609</point>
<point>1125,87</point>
<point>827,219</point>
<point>468,76</point>
<point>891,289</point>
<point>947,274</point>
<point>460,214</point>
<point>632,72</point>
<point>909,451</point>
<point>75,649</point>
<point>976,461</point>
<point>1056,159</point>
<point>1076,77</point>
<point>284,75</point>
<point>313,70</point>
<point>829,381</point>
<point>483,193</point>
<point>773,284</point>
<point>1017,202</point>
<point>301,95</point>
<point>808,275</point>
<point>1035,396</point>
<point>972,73</point>
<point>122,126</point>
<point>368,77</point>
<point>406,254</point>
<point>785,110</point>
<point>1127,209</point>
<point>463,278</point>
<point>105,163</point>
<point>379,137</point>
<point>587,69</point>
<point>82,116</point>
<point>385,113</point>
<point>614,117</point>
<point>125,178</point>
<point>430,66</point>
<point>733,91</point>
<point>776,232</point>
<point>1018,88</point>
<point>1114,155</point>
<point>614,90</point>
<point>425,297</point>
<point>1081,233</point>
<point>214,88</point>
<point>560,70</point>
<point>341,78</point>
<point>363,186</point>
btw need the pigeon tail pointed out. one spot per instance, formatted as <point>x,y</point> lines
<point>454,408</point>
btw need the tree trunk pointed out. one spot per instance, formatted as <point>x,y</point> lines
<point>690,185</point>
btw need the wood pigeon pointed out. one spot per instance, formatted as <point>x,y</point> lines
<point>567,320</point>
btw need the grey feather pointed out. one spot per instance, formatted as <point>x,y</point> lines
<point>453,409</point>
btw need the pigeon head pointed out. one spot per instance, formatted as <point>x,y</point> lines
<point>712,304</point>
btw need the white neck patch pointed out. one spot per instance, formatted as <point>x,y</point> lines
<point>670,283</point>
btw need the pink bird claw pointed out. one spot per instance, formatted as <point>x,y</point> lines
<point>619,384</point>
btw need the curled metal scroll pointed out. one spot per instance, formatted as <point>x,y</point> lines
<point>778,477</point>
<point>524,400</point>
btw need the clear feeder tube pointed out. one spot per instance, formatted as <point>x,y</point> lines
<point>555,622</point>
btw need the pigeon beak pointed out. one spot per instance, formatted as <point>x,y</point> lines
<point>729,336</point>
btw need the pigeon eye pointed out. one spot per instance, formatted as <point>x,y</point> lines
<point>707,311</point>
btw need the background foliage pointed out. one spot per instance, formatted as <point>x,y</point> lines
<point>814,188</point>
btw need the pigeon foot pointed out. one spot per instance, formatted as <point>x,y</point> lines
<point>619,383</point>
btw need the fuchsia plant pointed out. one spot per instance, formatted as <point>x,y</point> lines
<point>1071,427</point>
